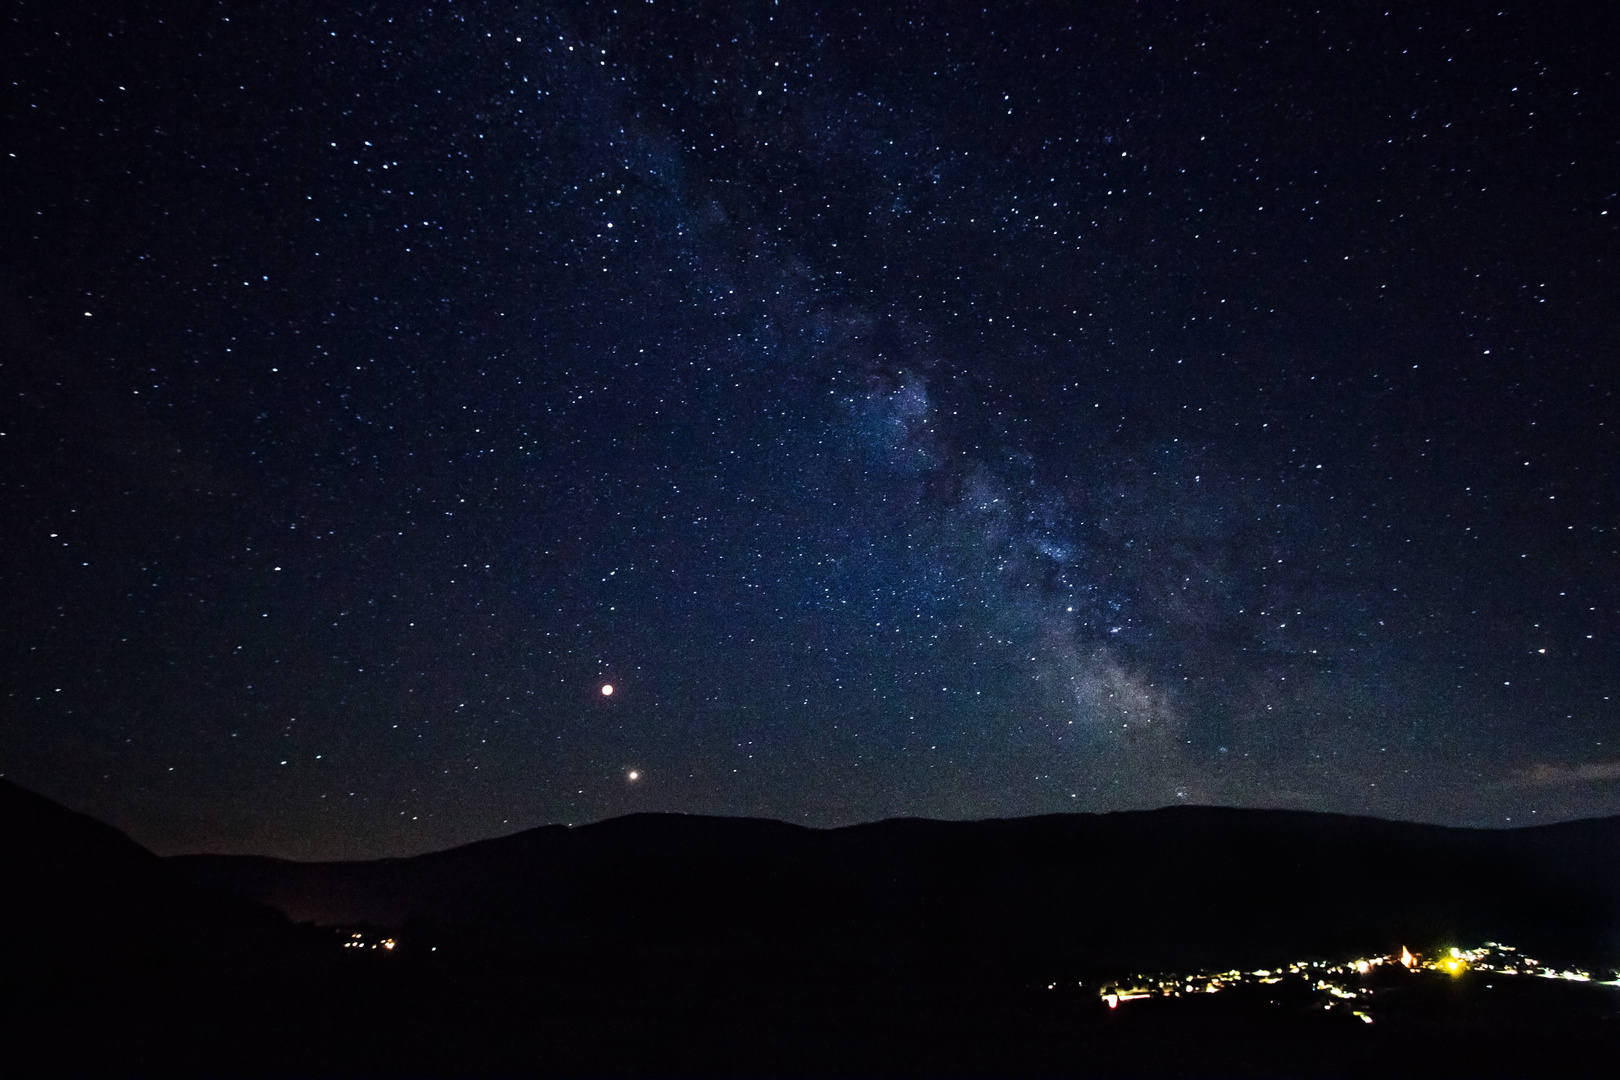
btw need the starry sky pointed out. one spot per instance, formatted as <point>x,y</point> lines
<point>909,409</point>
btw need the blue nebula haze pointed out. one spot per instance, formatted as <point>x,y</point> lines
<point>911,412</point>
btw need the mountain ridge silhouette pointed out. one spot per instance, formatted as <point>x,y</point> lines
<point>1175,885</point>
<point>83,889</point>
<point>675,945</point>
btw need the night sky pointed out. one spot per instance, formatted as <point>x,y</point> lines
<point>908,410</point>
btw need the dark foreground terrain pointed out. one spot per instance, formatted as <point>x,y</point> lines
<point>664,946</point>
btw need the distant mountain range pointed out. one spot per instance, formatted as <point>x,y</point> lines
<point>1179,887</point>
<point>1184,886</point>
<point>672,945</point>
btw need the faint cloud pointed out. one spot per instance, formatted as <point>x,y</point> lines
<point>1546,775</point>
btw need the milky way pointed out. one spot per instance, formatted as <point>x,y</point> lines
<point>907,413</point>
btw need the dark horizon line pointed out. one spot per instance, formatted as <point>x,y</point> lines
<point>1168,808</point>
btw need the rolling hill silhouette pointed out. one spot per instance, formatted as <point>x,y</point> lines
<point>1179,887</point>
<point>78,890</point>
<point>670,945</point>
<point>115,965</point>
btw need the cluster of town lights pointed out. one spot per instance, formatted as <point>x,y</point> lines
<point>358,941</point>
<point>1343,984</point>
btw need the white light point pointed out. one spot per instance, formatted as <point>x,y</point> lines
<point>607,689</point>
<point>633,775</point>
